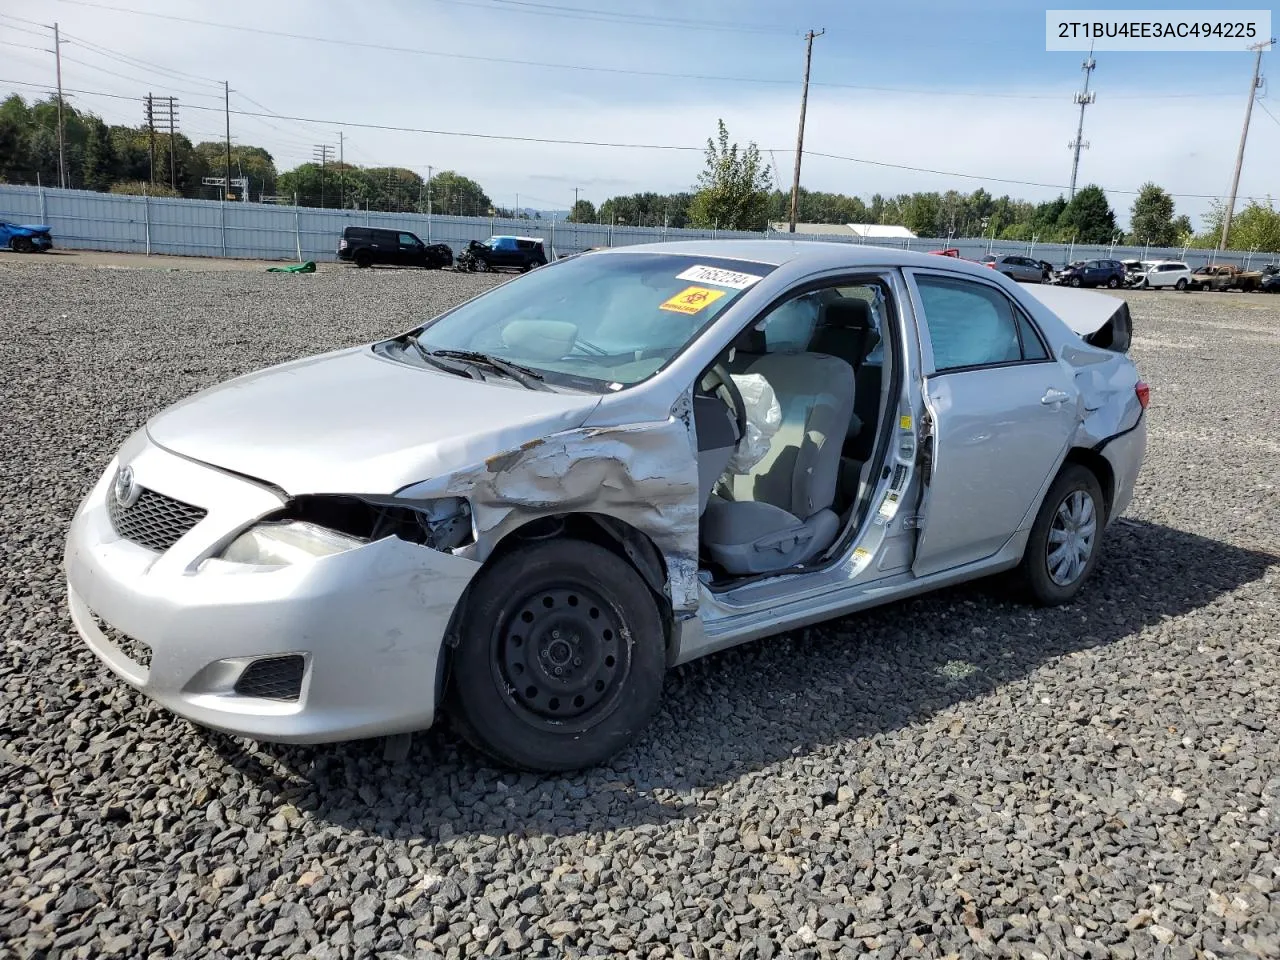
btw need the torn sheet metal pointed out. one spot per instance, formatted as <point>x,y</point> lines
<point>644,474</point>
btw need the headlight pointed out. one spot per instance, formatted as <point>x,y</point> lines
<point>276,544</point>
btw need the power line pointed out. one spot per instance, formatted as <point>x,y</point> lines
<point>609,16</point>
<point>383,48</point>
<point>631,146</point>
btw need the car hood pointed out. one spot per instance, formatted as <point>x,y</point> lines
<point>355,422</point>
<point>33,227</point>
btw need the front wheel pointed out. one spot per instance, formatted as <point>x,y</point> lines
<point>1063,547</point>
<point>1113,283</point>
<point>22,245</point>
<point>1075,281</point>
<point>560,659</point>
<point>1181,284</point>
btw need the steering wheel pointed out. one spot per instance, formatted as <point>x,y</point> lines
<point>718,381</point>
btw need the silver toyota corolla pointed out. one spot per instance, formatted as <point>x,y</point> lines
<point>524,510</point>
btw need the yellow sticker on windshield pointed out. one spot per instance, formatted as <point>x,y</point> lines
<point>692,299</point>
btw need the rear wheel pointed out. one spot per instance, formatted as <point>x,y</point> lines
<point>561,657</point>
<point>1063,547</point>
<point>22,245</point>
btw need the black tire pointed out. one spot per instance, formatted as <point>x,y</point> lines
<point>1075,281</point>
<point>1181,284</point>
<point>557,605</point>
<point>363,259</point>
<point>1113,283</point>
<point>22,245</point>
<point>1049,585</point>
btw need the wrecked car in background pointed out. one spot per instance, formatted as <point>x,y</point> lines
<point>26,237</point>
<point>523,511</point>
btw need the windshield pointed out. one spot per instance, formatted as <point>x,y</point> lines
<point>597,320</point>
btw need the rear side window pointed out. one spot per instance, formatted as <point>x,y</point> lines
<point>526,244</point>
<point>973,325</point>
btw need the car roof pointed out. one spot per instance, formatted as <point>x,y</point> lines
<point>507,236</point>
<point>812,254</point>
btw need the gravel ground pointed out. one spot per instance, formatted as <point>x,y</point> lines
<point>956,775</point>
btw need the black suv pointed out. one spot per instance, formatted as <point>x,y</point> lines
<point>519,253</point>
<point>365,246</point>
<point>1094,273</point>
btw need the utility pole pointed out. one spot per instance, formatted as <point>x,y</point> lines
<point>322,155</point>
<point>150,113</point>
<point>1084,98</point>
<point>428,190</point>
<point>226,95</point>
<point>342,187</point>
<point>62,152</point>
<point>804,103</point>
<point>159,110</point>
<point>1244,133</point>
<point>173,164</point>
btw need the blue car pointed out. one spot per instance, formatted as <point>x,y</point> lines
<point>25,237</point>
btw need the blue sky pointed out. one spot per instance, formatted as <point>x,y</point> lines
<point>962,87</point>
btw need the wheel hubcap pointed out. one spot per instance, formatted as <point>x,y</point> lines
<point>1071,538</point>
<point>560,656</point>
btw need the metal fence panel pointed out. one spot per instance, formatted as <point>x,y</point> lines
<point>86,220</point>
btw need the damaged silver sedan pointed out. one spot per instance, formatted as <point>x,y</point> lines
<point>522,512</point>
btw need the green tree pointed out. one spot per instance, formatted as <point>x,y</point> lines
<point>99,156</point>
<point>583,211</point>
<point>733,190</point>
<point>1088,217</point>
<point>452,193</point>
<point>922,214</point>
<point>1151,217</point>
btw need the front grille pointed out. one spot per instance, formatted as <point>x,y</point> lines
<point>154,520</point>
<point>272,678</point>
<point>135,650</point>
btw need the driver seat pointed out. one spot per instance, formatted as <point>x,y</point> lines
<point>779,514</point>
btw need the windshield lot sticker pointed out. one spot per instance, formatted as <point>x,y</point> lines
<point>721,278</point>
<point>691,300</point>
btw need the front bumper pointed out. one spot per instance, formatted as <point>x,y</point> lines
<point>368,623</point>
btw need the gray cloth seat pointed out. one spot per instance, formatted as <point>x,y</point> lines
<point>846,330</point>
<point>779,514</point>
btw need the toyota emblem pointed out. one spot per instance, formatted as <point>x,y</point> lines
<point>126,490</point>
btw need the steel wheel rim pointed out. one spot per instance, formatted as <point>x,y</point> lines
<point>1072,536</point>
<point>561,657</point>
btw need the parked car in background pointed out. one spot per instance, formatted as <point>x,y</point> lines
<point>25,237</point>
<point>1225,276</point>
<point>1270,283</point>
<point>1022,269</point>
<point>1167,273</point>
<point>1135,271</point>
<point>522,511</point>
<point>365,246</point>
<point>1094,273</point>
<point>504,253</point>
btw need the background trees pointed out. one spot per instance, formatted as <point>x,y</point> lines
<point>733,189</point>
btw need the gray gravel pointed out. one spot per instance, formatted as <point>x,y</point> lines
<point>957,775</point>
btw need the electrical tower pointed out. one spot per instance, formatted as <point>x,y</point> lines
<point>323,155</point>
<point>1084,98</point>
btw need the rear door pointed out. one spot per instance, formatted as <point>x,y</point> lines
<point>1001,413</point>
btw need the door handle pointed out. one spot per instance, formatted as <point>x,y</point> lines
<point>1053,395</point>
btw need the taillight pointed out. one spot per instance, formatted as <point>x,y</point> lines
<point>1144,393</point>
